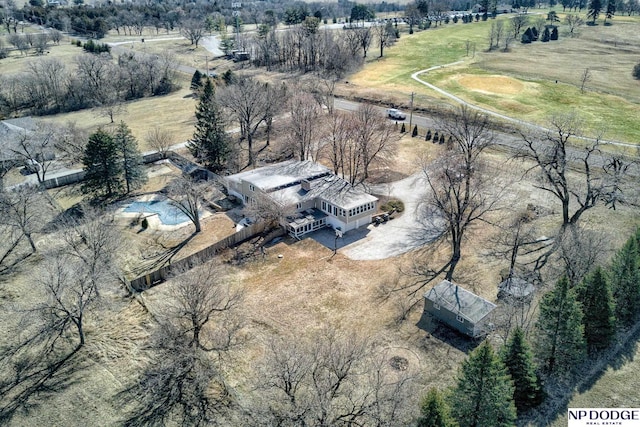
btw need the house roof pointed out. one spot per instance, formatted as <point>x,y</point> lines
<point>280,175</point>
<point>330,188</point>
<point>460,301</point>
<point>283,182</point>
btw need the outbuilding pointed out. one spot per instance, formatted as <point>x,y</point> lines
<point>459,309</point>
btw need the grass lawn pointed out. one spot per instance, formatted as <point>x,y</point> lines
<point>546,73</point>
<point>172,113</point>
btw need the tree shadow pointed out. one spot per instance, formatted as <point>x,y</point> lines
<point>162,259</point>
<point>441,332</point>
<point>30,377</point>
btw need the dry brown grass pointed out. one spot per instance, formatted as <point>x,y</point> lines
<point>300,292</point>
<point>173,113</point>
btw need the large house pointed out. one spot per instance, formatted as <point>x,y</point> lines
<point>459,308</point>
<point>319,197</point>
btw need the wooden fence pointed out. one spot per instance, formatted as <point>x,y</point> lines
<point>153,278</point>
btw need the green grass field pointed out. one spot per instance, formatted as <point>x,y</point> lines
<point>550,72</point>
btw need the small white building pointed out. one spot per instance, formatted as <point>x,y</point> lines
<point>320,198</point>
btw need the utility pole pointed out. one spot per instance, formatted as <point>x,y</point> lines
<point>411,112</point>
<point>236,5</point>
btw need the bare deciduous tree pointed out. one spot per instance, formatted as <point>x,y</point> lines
<point>185,383</point>
<point>331,379</point>
<point>304,126</point>
<point>574,22</point>
<point>252,104</point>
<point>585,78</point>
<point>193,30</point>
<point>375,139</point>
<point>553,158</point>
<point>517,23</point>
<point>385,34</point>
<point>23,212</point>
<point>269,208</point>
<point>71,143</point>
<point>37,148</point>
<point>94,240</point>
<point>185,194</point>
<point>160,140</point>
<point>460,191</point>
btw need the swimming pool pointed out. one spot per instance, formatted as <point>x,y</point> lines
<point>167,213</point>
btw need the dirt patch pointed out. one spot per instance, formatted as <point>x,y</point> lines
<point>491,84</point>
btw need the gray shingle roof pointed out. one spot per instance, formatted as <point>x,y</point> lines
<point>460,301</point>
<point>280,175</point>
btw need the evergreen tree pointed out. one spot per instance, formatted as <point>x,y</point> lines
<point>414,133</point>
<point>434,411</point>
<point>560,333</point>
<point>484,393</point>
<point>518,358</point>
<point>102,167</point>
<point>196,81</point>
<point>594,9</point>
<point>403,129</point>
<point>625,282</point>
<point>442,139</point>
<point>428,136</point>
<point>545,35</point>
<point>611,10</point>
<point>598,309</point>
<point>210,143</point>
<point>132,164</point>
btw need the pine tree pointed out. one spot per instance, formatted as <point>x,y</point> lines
<point>484,393</point>
<point>598,309</point>
<point>611,10</point>
<point>403,129</point>
<point>132,164</point>
<point>102,167</point>
<point>414,133</point>
<point>210,143</point>
<point>594,9</point>
<point>560,333</point>
<point>625,282</point>
<point>518,358</point>
<point>196,81</point>
<point>428,136</point>
<point>434,411</point>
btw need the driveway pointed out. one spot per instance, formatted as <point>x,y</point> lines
<point>395,237</point>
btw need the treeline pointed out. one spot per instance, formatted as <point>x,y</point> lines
<point>93,80</point>
<point>577,324</point>
<point>306,48</point>
<point>168,15</point>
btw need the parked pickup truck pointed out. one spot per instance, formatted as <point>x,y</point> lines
<point>396,114</point>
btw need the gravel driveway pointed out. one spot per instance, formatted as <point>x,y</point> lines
<point>395,237</point>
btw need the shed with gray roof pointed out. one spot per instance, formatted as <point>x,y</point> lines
<point>459,309</point>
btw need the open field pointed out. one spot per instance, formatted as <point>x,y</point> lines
<point>172,113</point>
<point>545,73</point>
<point>17,62</point>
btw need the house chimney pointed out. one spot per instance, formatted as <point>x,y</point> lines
<point>306,185</point>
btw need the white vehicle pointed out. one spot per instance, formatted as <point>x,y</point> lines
<point>393,113</point>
